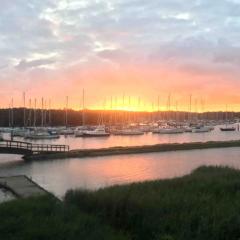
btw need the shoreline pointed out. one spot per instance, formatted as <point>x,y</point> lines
<point>166,147</point>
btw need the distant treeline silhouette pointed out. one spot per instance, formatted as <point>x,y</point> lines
<point>15,117</point>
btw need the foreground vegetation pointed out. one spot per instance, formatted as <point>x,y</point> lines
<point>45,218</point>
<point>203,205</point>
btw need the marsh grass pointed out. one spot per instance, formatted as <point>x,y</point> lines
<point>202,205</point>
<point>44,218</point>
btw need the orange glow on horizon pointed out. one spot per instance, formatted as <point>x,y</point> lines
<point>129,88</point>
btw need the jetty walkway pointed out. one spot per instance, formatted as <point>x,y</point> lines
<point>28,149</point>
<point>21,186</point>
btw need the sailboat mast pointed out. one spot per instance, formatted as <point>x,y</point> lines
<point>42,112</point>
<point>190,106</point>
<point>83,107</point>
<point>66,113</point>
<point>176,110</point>
<point>35,114</point>
<point>111,108</point>
<point>226,114</point>
<point>12,114</point>
<point>49,112</point>
<point>24,109</point>
<point>9,115</point>
<point>45,113</point>
<point>30,112</point>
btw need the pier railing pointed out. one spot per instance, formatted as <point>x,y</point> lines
<point>34,148</point>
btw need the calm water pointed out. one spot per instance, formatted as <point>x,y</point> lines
<point>58,176</point>
<point>76,143</point>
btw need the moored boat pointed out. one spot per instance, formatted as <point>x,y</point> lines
<point>168,130</point>
<point>201,129</point>
<point>40,135</point>
<point>19,132</point>
<point>100,131</point>
<point>67,131</point>
<point>128,132</point>
<point>227,129</point>
<point>79,131</point>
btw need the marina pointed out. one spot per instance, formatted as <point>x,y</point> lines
<point>134,139</point>
<point>111,147</point>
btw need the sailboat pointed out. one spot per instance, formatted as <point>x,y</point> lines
<point>1,137</point>
<point>19,132</point>
<point>99,131</point>
<point>227,128</point>
<point>128,132</point>
<point>168,130</point>
<point>79,130</point>
<point>201,129</point>
<point>66,130</point>
<point>40,134</point>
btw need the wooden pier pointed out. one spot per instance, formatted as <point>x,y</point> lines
<point>21,186</point>
<point>26,148</point>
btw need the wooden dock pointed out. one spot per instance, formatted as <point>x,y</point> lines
<point>21,186</point>
<point>27,148</point>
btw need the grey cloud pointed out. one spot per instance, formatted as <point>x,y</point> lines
<point>229,55</point>
<point>153,30</point>
<point>24,64</point>
<point>113,54</point>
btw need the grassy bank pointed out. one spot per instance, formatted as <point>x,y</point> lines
<point>45,218</point>
<point>81,153</point>
<point>202,205</point>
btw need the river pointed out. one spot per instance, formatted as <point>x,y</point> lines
<point>58,176</point>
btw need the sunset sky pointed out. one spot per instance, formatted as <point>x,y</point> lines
<point>137,48</point>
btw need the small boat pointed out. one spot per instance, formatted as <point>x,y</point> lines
<point>211,128</point>
<point>67,131</point>
<point>6,130</point>
<point>128,132</point>
<point>40,135</point>
<point>97,132</point>
<point>19,132</point>
<point>188,129</point>
<point>168,130</point>
<point>201,129</point>
<point>79,132</point>
<point>227,129</point>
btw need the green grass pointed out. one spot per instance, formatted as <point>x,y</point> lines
<point>45,218</point>
<point>203,205</point>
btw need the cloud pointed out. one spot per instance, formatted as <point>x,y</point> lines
<point>199,38</point>
<point>24,64</point>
